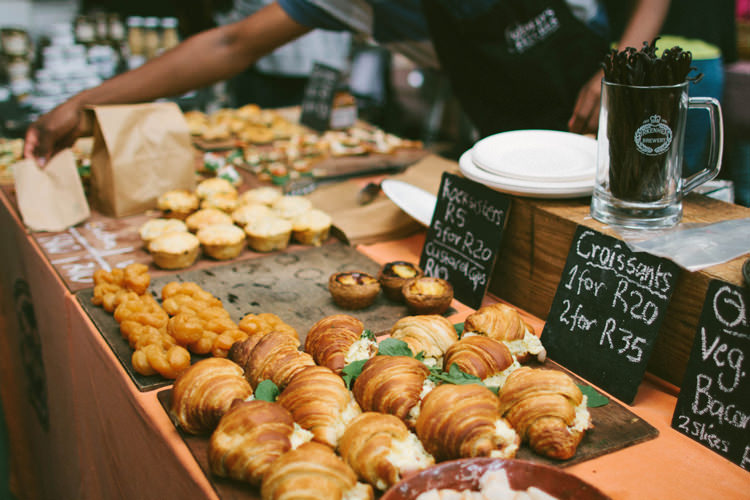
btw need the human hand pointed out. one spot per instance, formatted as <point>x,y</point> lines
<point>585,118</point>
<point>53,131</point>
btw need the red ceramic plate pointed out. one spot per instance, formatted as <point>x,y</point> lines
<point>465,474</point>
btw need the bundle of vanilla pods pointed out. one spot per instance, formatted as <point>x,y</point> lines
<point>644,68</point>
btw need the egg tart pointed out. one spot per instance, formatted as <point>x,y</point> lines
<point>353,289</point>
<point>394,274</point>
<point>427,295</point>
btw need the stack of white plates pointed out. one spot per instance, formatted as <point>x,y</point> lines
<point>534,163</point>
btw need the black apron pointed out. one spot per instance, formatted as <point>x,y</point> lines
<point>519,65</point>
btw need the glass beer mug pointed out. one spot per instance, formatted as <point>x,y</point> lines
<point>639,182</point>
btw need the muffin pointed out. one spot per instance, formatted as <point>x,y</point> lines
<point>226,202</point>
<point>205,217</point>
<point>177,203</point>
<point>221,241</point>
<point>312,227</point>
<point>245,214</point>
<point>268,233</point>
<point>156,227</point>
<point>291,207</point>
<point>265,195</point>
<point>174,250</point>
<point>353,289</point>
<point>213,186</point>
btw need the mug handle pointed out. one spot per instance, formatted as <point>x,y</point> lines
<point>717,143</point>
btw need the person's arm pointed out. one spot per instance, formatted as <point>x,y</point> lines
<point>199,61</point>
<point>644,25</point>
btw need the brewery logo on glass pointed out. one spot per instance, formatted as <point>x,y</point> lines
<point>653,137</point>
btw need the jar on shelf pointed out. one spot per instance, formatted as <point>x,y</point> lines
<point>151,36</point>
<point>85,32</point>
<point>135,36</point>
<point>169,36</point>
<point>115,29</point>
<point>101,27</point>
<point>16,42</point>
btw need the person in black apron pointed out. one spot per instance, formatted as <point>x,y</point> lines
<point>518,65</point>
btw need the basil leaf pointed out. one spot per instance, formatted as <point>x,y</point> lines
<point>459,329</point>
<point>394,347</point>
<point>453,376</point>
<point>595,399</point>
<point>267,391</point>
<point>351,371</point>
<point>367,334</point>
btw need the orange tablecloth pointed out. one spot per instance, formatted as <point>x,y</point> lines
<point>105,439</point>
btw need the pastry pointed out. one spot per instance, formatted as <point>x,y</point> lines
<point>156,227</point>
<point>393,275</point>
<point>204,392</point>
<point>174,250</point>
<point>291,207</point>
<point>427,295</point>
<point>111,286</point>
<point>311,227</point>
<point>319,401</point>
<point>463,421</point>
<point>547,410</point>
<point>503,322</point>
<point>246,214</point>
<point>206,217</point>
<point>381,449</point>
<point>313,471</point>
<point>483,357</point>
<point>226,202</point>
<point>276,357</point>
<point>268,234</point>
<point>250,436</point>
<point>177,203</point>
<point>353,289</point>
<point>264,195</point>
<point>392,385</point>
<point>430,334</point>
<point>215,185</point>
<point>331,341</point>
<point>221,241</point>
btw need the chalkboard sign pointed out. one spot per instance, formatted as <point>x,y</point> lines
<point>607,311</point>
<point>713,407</point>
<point>464,237</point>
<point>318,99</point>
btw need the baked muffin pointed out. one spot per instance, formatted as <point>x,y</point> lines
<point>174,250</point>
<point>245,214</point>
<point>265,195</point>
<point>213,186</point>
<point>291,207</point>
<point>268,233</point>
<point>312,227</point>
<point>156,227</point>
<point>226,202</point>
<point>206,217</point>
<point>177,203</point>
<point>221,241</point>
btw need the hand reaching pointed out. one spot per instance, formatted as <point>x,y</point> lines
<point>54,131</point>
<point>585,119</point>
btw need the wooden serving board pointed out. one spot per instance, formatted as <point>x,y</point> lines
<point>292,285</point>
<point>615,428</point>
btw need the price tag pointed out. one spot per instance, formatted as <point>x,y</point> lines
<point>318,99</point>
<point>607,311</point>
<point>464,237</point>
<point>713,407</point>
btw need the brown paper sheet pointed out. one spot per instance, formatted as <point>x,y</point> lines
<point>140,151</point>
<point>50,199</point>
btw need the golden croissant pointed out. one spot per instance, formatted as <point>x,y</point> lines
<point>462,421</point>
<point>503,322</point>
<point>248,439</point>
<point>204,392</point>
<point>320,402</point>
<point>312,472</point>
<point>482,357</point>
<point>276,357</point>
<point>381,449</point>
<point>547,410</point>
<point>393,385</point>
<point>428,333</point>
<point>330,339</point>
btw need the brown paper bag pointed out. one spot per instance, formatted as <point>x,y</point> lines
<point>140,151</point>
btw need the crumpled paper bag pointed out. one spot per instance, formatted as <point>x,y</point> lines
<point>50,199</point>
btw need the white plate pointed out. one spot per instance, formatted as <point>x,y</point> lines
<point>413,200</point>
<point>573,189</point>
<point>537,155</point>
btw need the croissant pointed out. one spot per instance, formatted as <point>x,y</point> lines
<point>428,333</point>
<point>320,402</point>
<point>392,385</point>
<point>204,392</point>
<point>312,472</point>
<point>503,322</point>
<point>330,340</point>
<point>248,439</point>
<point>381,449</point>
<point>462,421</point>
<point>482,357</point>
<point>547,409</point>
<point>276,357</point>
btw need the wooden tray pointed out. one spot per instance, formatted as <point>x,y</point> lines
<point>292,285</point>
<point>615,428</point>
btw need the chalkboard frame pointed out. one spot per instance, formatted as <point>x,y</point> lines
<point>317,102</point>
